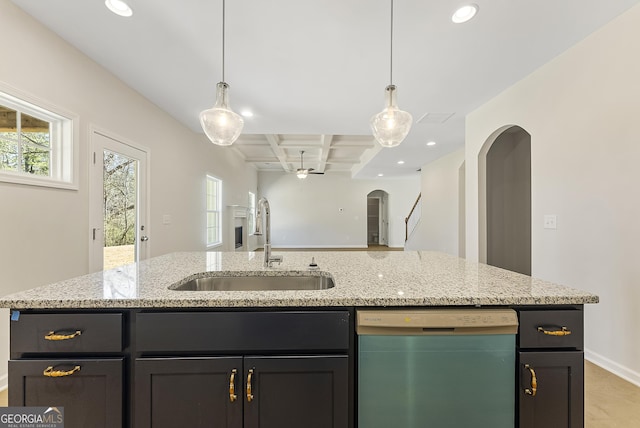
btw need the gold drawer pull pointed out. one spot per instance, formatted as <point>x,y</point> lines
<point>562,332</point>
<point>249,392</point>
<point>534,382</point>
<point>52,335</point>
<point>232,386</point>
<point>50,372</point>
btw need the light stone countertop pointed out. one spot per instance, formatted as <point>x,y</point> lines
<point>362,278</point>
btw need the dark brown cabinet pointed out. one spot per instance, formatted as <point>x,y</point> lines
<point>188,392</point>
<point>70,360</point>
<point>551,369</point>
<point>237,392</point>
<point>252,369</point>
<point>90,390</point>
<point>297,391</point>
<point>559,384</point>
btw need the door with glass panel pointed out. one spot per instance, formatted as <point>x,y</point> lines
<point>119,231</point>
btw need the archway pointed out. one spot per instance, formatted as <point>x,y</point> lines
<point>505,238</point>
<point>378,218</point>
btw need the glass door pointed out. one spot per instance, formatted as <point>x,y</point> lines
<point>119,234</point>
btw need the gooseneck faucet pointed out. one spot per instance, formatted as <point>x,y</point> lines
<point>263,206</point>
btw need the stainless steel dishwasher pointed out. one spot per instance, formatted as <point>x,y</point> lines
<point>441,368</point>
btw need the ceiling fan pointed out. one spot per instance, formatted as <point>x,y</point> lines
<point>302,172</point>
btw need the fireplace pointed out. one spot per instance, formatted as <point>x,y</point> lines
<point>238,237</point>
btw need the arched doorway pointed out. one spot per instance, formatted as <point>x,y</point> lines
<point>378,218</point>
<point>507,194</point>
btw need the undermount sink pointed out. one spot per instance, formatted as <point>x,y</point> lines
<point>256,282</point>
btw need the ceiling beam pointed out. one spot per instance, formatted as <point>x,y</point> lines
<point>325,140</point>
<point>274,142</point>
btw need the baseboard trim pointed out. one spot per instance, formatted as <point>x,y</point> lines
<point>613,367</point>
<point>4,382</point>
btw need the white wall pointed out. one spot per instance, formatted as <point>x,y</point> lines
<point>438,229</point>
<point>331,210</point>
<point>581,110</point>
<point>44,234</point>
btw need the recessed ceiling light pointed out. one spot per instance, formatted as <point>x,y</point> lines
<point>464,13</point>
<point>400,162</point>
<point>380,175</point>
<point>247,113</point>
<point>119,7</point>
<point>431,143</point>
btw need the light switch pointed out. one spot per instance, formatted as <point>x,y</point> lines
<point>550,221</point>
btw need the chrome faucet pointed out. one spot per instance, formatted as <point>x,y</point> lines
<point>263,205</point>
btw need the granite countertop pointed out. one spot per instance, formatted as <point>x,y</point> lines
<point>362,278</point>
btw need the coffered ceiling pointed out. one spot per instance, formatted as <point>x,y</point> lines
<point>313,72</point>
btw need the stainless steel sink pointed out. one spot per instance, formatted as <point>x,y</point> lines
<point>256,283</point>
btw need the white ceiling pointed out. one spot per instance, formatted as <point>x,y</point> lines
<point>314,71</point>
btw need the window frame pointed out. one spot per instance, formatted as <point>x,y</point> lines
<point>64,159</point>
<point>218,200</point>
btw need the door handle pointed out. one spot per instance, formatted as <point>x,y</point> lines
<point>144,238</point>
<point>51,372</point>
<point>232,386</point>
<point>249,388</point>
<point>534,382</point>
<point>562,332</point>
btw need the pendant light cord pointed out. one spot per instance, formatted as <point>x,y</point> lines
<point>223,28</point>
<point>391,61</point>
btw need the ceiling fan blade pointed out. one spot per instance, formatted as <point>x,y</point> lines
<point>318,173</point>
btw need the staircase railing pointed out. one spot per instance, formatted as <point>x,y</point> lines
<point>412,220</point>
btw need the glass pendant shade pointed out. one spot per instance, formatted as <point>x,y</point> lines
<point>302,173</point>
<point>391,125</point>
<point>220,123</point>
<point>119,7</point>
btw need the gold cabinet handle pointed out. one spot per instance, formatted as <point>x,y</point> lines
<point>249,393</point>
<point>534,382</point>
<point>50,372</point>
<point>562,332</point>
<point>232,386</point>
<point>52,335</point>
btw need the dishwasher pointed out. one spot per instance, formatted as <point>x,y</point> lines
<point>440,368</point>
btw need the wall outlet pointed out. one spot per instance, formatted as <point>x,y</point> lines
<point>550,221</point>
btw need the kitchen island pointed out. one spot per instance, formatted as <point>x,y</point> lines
<point>139,348</point>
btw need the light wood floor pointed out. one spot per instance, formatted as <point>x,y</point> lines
<point>610,402</point>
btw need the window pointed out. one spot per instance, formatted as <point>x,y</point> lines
<point>251,214</point>
<point>214,215</point>
<point>36,145</point>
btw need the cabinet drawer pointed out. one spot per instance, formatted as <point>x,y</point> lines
<point>551,329</point>
<point>57,333</point>
<point>181,332</point>
<point>90,390</point>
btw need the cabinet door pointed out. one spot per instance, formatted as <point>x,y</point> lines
<point>294,392</point>
<point>188,392</point>
<point>89,390</point>
<point>559,381</point>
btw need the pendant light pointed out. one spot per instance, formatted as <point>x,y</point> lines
<point>391,125</point>
<point>222,125</point>
<point>119,7</point>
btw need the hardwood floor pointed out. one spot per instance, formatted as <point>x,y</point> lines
<point>610,402</point>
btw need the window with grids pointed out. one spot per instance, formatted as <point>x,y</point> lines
<point>251,214</point>
<point>35,144</point>
<point>214,214</point>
